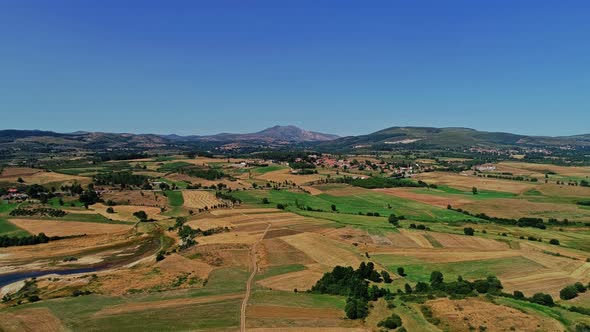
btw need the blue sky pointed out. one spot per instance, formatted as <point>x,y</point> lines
<point>344,67</point>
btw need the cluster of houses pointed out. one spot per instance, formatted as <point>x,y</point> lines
<point>13,194</point>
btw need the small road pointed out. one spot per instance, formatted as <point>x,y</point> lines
<point>254,264</point>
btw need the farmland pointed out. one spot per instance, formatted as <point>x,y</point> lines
<point>186,264</point>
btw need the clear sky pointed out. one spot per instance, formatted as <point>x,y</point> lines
<point>343,67</point>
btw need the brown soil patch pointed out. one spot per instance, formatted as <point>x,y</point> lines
<point>208,223</point>
<point>344,190</point>
<point>279,252</point>
<point>222,254</point>
<point>10,172</point>
<point>34,319</point>
<point>176,263</point>
<point>136,197</point>
<point>439,201</point>
<point>31,175</point>
<point>264,311</point>
<point>542,168</point>
<point>280,232</point>
<point>460,315</point>
<point>65,228</point>
<point>308,329</point>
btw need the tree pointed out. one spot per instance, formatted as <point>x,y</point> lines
<point>580,287</point>
<point>265,201</point>
<point>554,242</point>
<point>141,215</point>
<point>386,277</point>
<point>393,219</point>
<point>468,231</point>
<point>110,210</point>
<point>518,295</point>
<point>355,308</point>
<point>408,289</point>
<point>401,272</point>
<point>392,322</point>
<point>436,278</point>
<point>543,299</point>
<point>20,180</point>
<point>474,191</point>
<point>334,208</point>
<point>568,292</point>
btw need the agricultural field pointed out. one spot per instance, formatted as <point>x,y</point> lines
<point>247,256</point>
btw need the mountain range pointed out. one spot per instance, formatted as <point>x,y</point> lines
<point>281,137</point>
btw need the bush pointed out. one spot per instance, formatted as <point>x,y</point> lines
<point>542,299</point>
<point>554,242</point>
<point>568,293</point>
<point>392,322</point>
<point>110,210</point>
<point>468,231</point>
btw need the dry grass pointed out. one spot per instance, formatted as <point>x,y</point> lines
<point>30,320</point>
<point>323,250</point>
<point>66,228</point>
<point>460,315</point>
<point>543,168</point>
<point>439,201</point>
<point>300,280</point>
<point>36,176</point>
<point>136,197</point>
<point>260,311</point>
<point>466,181</point>
<point>517,208</point>
<point>125,212</point>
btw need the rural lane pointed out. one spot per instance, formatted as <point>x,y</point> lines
<point>249,282</point>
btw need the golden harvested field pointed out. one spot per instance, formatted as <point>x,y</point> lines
<point>65,228</point>
<point>460,315</point>
<point>244,211</point>
<point>125,212</point>
<point>517,208</point>
<point>275,251</point>
<point>439,201</point>
<point>467,181</point>
<point>259,311</point>
<point>543,168</point>
<point>199,199</point>
<point>31,175</point>
<point>323,249</point>
<point>300,280</point>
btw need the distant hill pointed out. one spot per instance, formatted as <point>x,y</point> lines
<point>429,137</point>
<point>274,134</point>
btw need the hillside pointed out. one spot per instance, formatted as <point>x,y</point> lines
<point>428,137</point>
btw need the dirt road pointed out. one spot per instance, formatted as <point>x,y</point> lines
<point>254,264</point>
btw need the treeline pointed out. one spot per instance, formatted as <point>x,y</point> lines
<point>203,173</point>
<point>14,241</point>
<point>227,197</point>
<point>508,177</point>
<point>354,284</point>
<point>379,182</point>
<point>123,178</point>
<point>38,211</point>
<point>522,222</point>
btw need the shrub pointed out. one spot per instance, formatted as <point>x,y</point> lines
<point>543,299</point>
<point>110,210</point>
<point>468,231</point>
<point>554,242</point>
<point>392,322</point>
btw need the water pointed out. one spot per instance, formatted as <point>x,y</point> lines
<point>6,279</point>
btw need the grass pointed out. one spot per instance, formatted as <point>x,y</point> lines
<point>446,191</point>
<point>267,169</point>
<point>420,270</point>
<point>367,202</point>
<point>281,269</point>
<point>7,228</point>
<point>173,166</point>
<point>292,299</point>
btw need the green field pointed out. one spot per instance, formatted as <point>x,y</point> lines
<point>367,202</point>
<point>6,228</point>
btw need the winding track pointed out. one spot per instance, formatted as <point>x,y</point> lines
<point>249,282</point>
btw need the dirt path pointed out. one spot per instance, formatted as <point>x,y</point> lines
<point>250,279</point>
